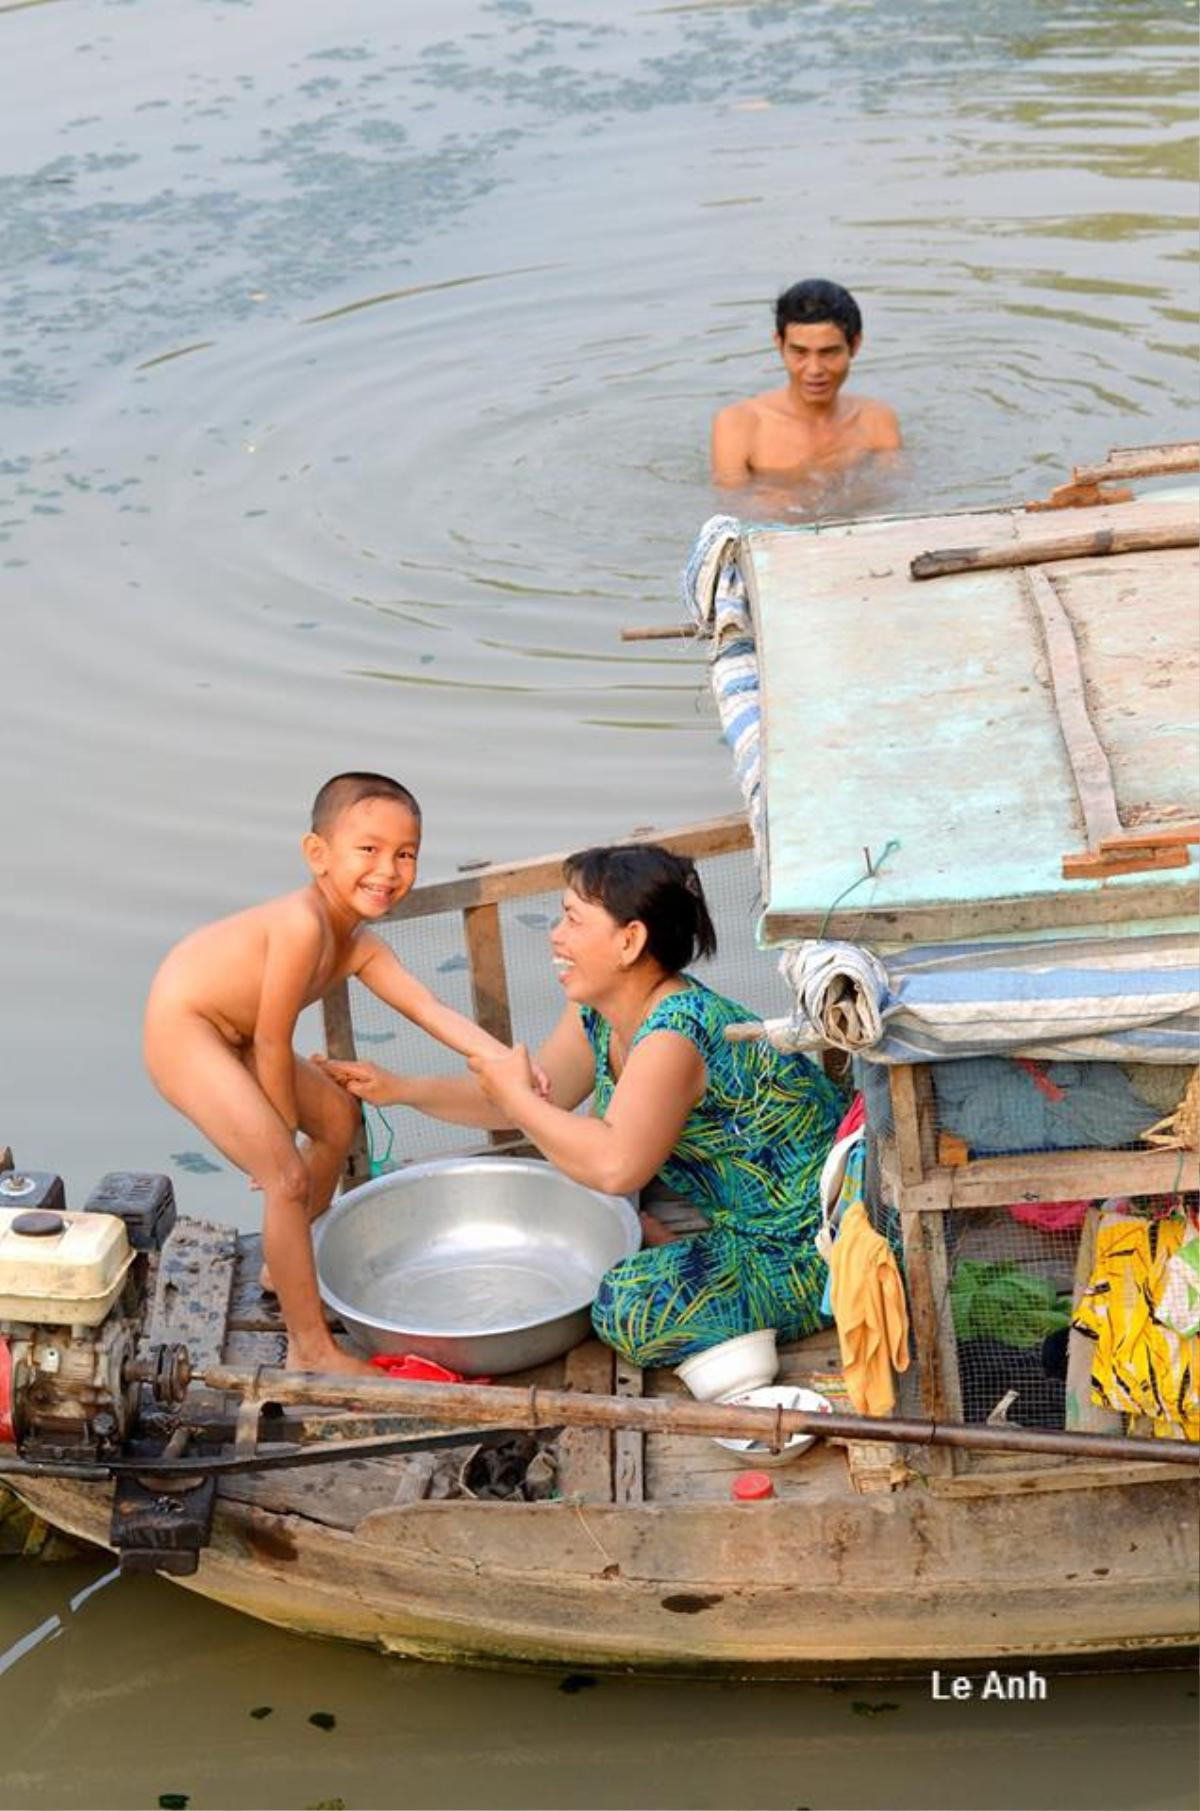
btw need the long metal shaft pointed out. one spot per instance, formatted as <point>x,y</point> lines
<point>501,1405</point>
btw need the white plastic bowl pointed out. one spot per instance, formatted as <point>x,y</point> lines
<point>777,1396</point>
<point>745,1363</point>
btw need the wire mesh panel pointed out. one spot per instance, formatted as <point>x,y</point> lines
<point>1046,1148</point>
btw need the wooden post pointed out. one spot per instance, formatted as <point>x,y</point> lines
<point>489,979</point>
<point>926,1267</point>
<point>629,1444</point>
<point>339,1042</point>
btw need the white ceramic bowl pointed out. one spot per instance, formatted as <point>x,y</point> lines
<point>777,1396</point>
<point>745,1363</point>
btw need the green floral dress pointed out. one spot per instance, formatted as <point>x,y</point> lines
<point>750,1158</point>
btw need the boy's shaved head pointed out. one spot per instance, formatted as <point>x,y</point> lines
<point>347,789</point>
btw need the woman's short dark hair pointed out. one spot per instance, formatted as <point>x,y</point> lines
<point>646,883</point>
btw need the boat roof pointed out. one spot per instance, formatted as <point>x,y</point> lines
<point>922,716</point>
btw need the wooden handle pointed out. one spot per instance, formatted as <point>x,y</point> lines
<point>1142,462</point>
<point>1088,544</point>
<point>662,632</point>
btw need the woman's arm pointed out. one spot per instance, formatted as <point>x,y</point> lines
<point>662,1081</point>
<point>565,1059</point>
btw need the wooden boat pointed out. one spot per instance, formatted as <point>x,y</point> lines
<point>872,1558</point>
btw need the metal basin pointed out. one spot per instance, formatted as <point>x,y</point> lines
<point>486,1264</point>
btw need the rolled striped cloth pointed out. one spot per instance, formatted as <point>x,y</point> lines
<point>841,994</point>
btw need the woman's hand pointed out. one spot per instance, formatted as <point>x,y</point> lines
<point>367,1081</point>
<point>509,1079</point>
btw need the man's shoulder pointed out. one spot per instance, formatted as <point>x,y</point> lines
<point>750,408</point>
<point>878,420</point>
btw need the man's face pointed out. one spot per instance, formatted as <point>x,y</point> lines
<point>816,358</point>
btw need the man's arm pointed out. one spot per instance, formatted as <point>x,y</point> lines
<point>292,955</point>
<point>732,443</point>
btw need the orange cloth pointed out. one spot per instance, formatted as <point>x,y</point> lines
<point>872,1317</point>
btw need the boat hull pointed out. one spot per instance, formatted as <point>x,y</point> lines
<point>877,1587</point>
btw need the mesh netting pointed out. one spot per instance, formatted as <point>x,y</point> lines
<point>1006,1280</point>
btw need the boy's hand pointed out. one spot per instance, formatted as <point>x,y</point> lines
<point>367,1081</point>
<point>506,1079</point>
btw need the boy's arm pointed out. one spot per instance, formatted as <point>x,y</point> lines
<point>378,969</point>
<point>293,952</point>
<point>565,1058</point>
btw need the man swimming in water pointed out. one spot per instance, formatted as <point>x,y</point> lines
<point>811,425</point>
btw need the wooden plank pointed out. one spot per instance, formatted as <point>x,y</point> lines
<point>1082,1414</point>
<point>489,982</point>
<point>489,979</point>
<point>629,1444</point>
<point>585,1454</point>
<point>251,1311</point>
<point>1152,836</point>
<point>987,1182</point>
<point>1070,1176</point>
<point>926,1282</point>
<point>339,1042</point>
<point>662,632</point>
<point>910,1108</point>
<point>967,920</point>
<point>340,1494</point>
<point>517,880</point>
<point>1088,543</point>
<point>1089,763</point>
<point>1142,462</point>
<point>1087,865</point>
<point>255,1346</point>
<point>1074,1474</point>
<point>192,1291</point>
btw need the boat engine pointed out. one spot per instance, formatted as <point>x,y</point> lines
<point>72,1303</point>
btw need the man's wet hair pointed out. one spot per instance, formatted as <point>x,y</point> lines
<point>647,883</point>
<point>347,789</point>
<point>805,304</point>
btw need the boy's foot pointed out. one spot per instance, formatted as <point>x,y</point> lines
<point>334,1361</point>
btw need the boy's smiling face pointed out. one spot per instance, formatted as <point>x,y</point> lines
<point>368,858</point>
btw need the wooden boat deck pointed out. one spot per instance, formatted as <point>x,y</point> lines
<point>594,1464</point>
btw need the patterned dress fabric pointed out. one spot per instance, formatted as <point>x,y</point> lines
<point>750,1158</point>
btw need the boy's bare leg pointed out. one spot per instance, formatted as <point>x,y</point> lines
<point>329,1118</point>
<point>203,1076</point>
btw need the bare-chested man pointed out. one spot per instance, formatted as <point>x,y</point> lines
<point>812,424</point>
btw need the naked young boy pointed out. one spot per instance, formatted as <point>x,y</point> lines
<point>222,1012</point>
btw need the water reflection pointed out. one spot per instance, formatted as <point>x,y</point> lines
<point>357,372</point>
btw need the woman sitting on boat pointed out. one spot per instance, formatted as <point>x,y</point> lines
<point>740,1130</point>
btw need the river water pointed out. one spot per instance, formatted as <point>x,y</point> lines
<point>356,367</point>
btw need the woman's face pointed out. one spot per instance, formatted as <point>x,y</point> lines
<point>589,948</point>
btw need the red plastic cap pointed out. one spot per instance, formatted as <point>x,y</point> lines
<point>752,1487</point>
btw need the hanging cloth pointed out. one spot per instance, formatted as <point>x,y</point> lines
<point>867,1294</point>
